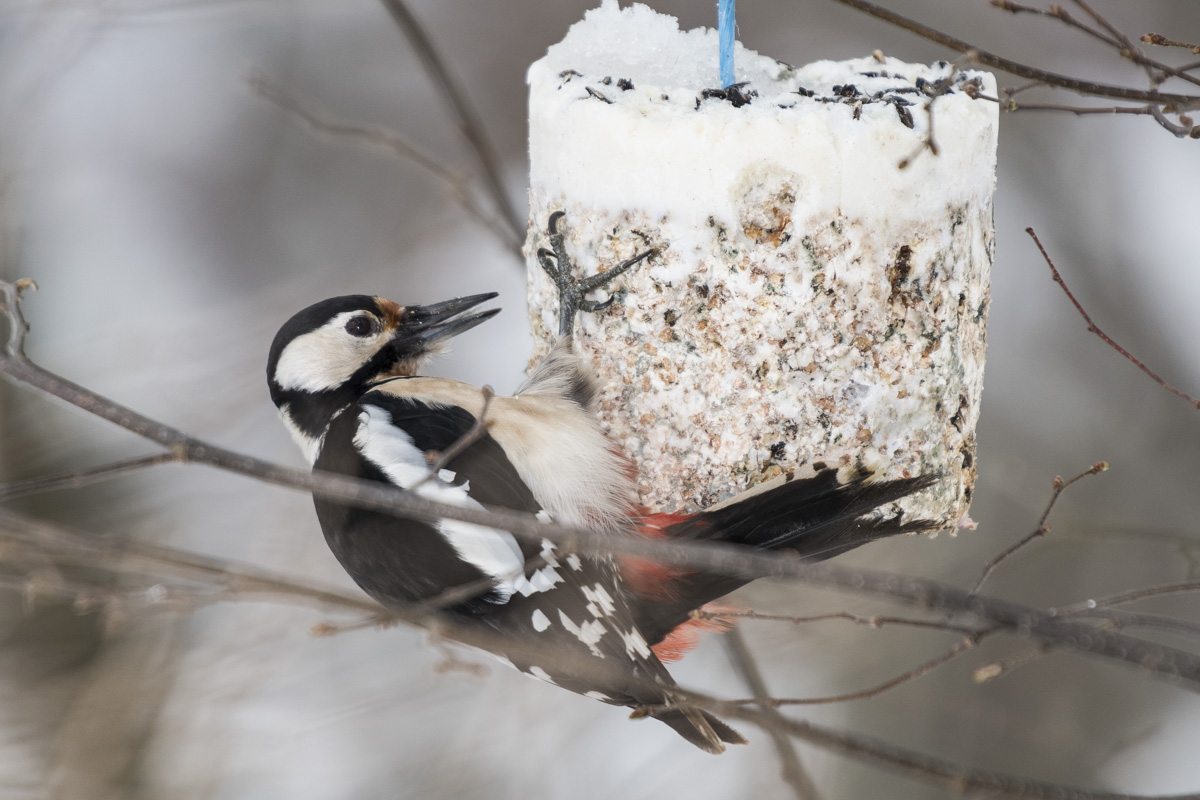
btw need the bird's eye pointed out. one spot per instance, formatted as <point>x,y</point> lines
<point>359,326</point>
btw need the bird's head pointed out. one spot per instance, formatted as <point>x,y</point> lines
<point>328,354</point>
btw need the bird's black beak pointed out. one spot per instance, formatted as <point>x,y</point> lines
<point>429,324</point>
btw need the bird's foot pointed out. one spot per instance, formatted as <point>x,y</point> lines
<point>558,266</point>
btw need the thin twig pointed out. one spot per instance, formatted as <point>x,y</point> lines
<point>84,477</point>
<point>1158,40</point>
<point>1127,49</point>
<point>941,87</point>
<point>1042,528</point>
<point>916,672</point>
<point>1131,596</point>
<point>1125,619</point>
<point>874,621</point>
<point>469,121</point>
<point>947,775</point>
<point>1179,101</point>
<point>1081,111</point>
<point>476,432</point>
<point>375,136</point>
<point>792,769</point>
<point>1096,330</point>
<point>1055,12</point>
<point>1003,666</point>
<point>1114,38</point>
<point>121,553</point>
<point>1184,130</point>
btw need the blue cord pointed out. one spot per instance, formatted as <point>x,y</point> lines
<point>725,27</point>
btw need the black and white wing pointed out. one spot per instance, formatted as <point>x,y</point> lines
<point>556,608</point>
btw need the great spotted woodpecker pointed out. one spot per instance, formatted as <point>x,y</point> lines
<point>344,375</point>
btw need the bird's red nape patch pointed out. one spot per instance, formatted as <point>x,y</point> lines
<point>679,642</point>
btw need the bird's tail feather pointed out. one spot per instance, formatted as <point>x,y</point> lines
<point>700,728</point>
<point>818,517</point>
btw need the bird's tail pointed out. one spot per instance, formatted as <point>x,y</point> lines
<point>700,728</point>
<point>817,517</point>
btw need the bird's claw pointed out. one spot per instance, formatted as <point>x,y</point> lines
<point>592,306</point>
<point>557,264</point>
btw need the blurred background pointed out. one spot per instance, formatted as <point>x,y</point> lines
<point>174,219</point>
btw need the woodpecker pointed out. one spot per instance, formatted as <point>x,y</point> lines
<point>345,376</point>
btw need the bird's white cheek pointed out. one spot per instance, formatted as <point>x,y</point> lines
<point>323,359</point>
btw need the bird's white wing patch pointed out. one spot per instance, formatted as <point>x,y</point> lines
<point>600,602</point>
<point>589,632</point>
<point>635,644</point>
<point>391,449</point>
<point>541,674</point>
<point>494,552</point>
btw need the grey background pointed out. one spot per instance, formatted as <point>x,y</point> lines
<point>174,219</point>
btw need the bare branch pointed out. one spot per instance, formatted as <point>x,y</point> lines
<point>1125,619</point>
<point>395,144</point>
<point>1110,36</point>
<point>473,435</point>
<point>870,622</point>
<point>904,677</point>
<point>1180,102</point>
<point>913,764</point>
<point>792,771</point>
<point>940,88</point>
<point>1003,666</point>
<point>84,477</point>
<point>1154,659</point>
<point>1042,528</point>
<point>469,122</point>
<point>1104,336</point>
<point>1158,40</point>
<point>1181,130</point>
<point>1131,596</point>
<point>934,771</point>
<point>125,556</point>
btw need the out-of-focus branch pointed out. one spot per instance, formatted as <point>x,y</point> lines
<point>1093,328</point>
<point>1022,621</point>
<point>1157,103</point>
<point>84,477</point>
<point>916,672</point>
<point>792,771</point>
<point>1001,667</point>
<point>129,556</point>
<point>1132,596</point>
<point>938,772</point>
<point>469,121</point>
<point>874,621</point>
<point>1181,102</point>
<point>1111,36</point>
<point>377,137</point>
<point>234,582</point>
